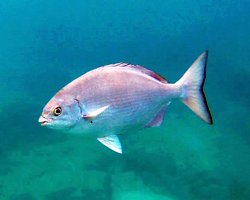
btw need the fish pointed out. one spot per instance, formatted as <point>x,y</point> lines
<point>123,98</point>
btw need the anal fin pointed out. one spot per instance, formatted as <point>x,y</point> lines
<point>112,142</point>
<point>158,118</point>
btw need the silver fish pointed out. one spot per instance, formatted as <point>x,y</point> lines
<point>122,98</point>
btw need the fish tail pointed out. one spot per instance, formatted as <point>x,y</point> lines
<point>191,84</point>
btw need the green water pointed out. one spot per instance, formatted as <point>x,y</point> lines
<point>46,44</point>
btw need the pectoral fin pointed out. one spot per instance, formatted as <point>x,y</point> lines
<point>112,142</point>
<point>95,113</point>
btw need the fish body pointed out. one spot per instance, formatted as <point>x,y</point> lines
<point>122,98</point>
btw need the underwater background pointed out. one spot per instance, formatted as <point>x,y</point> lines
<point>46,44</point>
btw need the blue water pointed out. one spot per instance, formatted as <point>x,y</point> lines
<point>46,44</point>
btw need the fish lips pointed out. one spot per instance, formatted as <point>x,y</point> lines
<point>43,121</point>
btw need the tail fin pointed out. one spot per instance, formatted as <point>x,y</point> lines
<point>192,88</point>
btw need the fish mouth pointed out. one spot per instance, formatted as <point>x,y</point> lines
<point>43,121</point>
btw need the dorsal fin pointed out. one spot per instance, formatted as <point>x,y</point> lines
<point>140,69</point>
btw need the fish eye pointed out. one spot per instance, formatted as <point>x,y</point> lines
<point>57,111</point>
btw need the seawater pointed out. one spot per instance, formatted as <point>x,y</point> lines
<point>46,44</point>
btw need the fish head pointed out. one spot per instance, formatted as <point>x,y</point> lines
<point>60,113</point>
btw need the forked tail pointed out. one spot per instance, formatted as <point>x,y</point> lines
<point>191,84</point>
